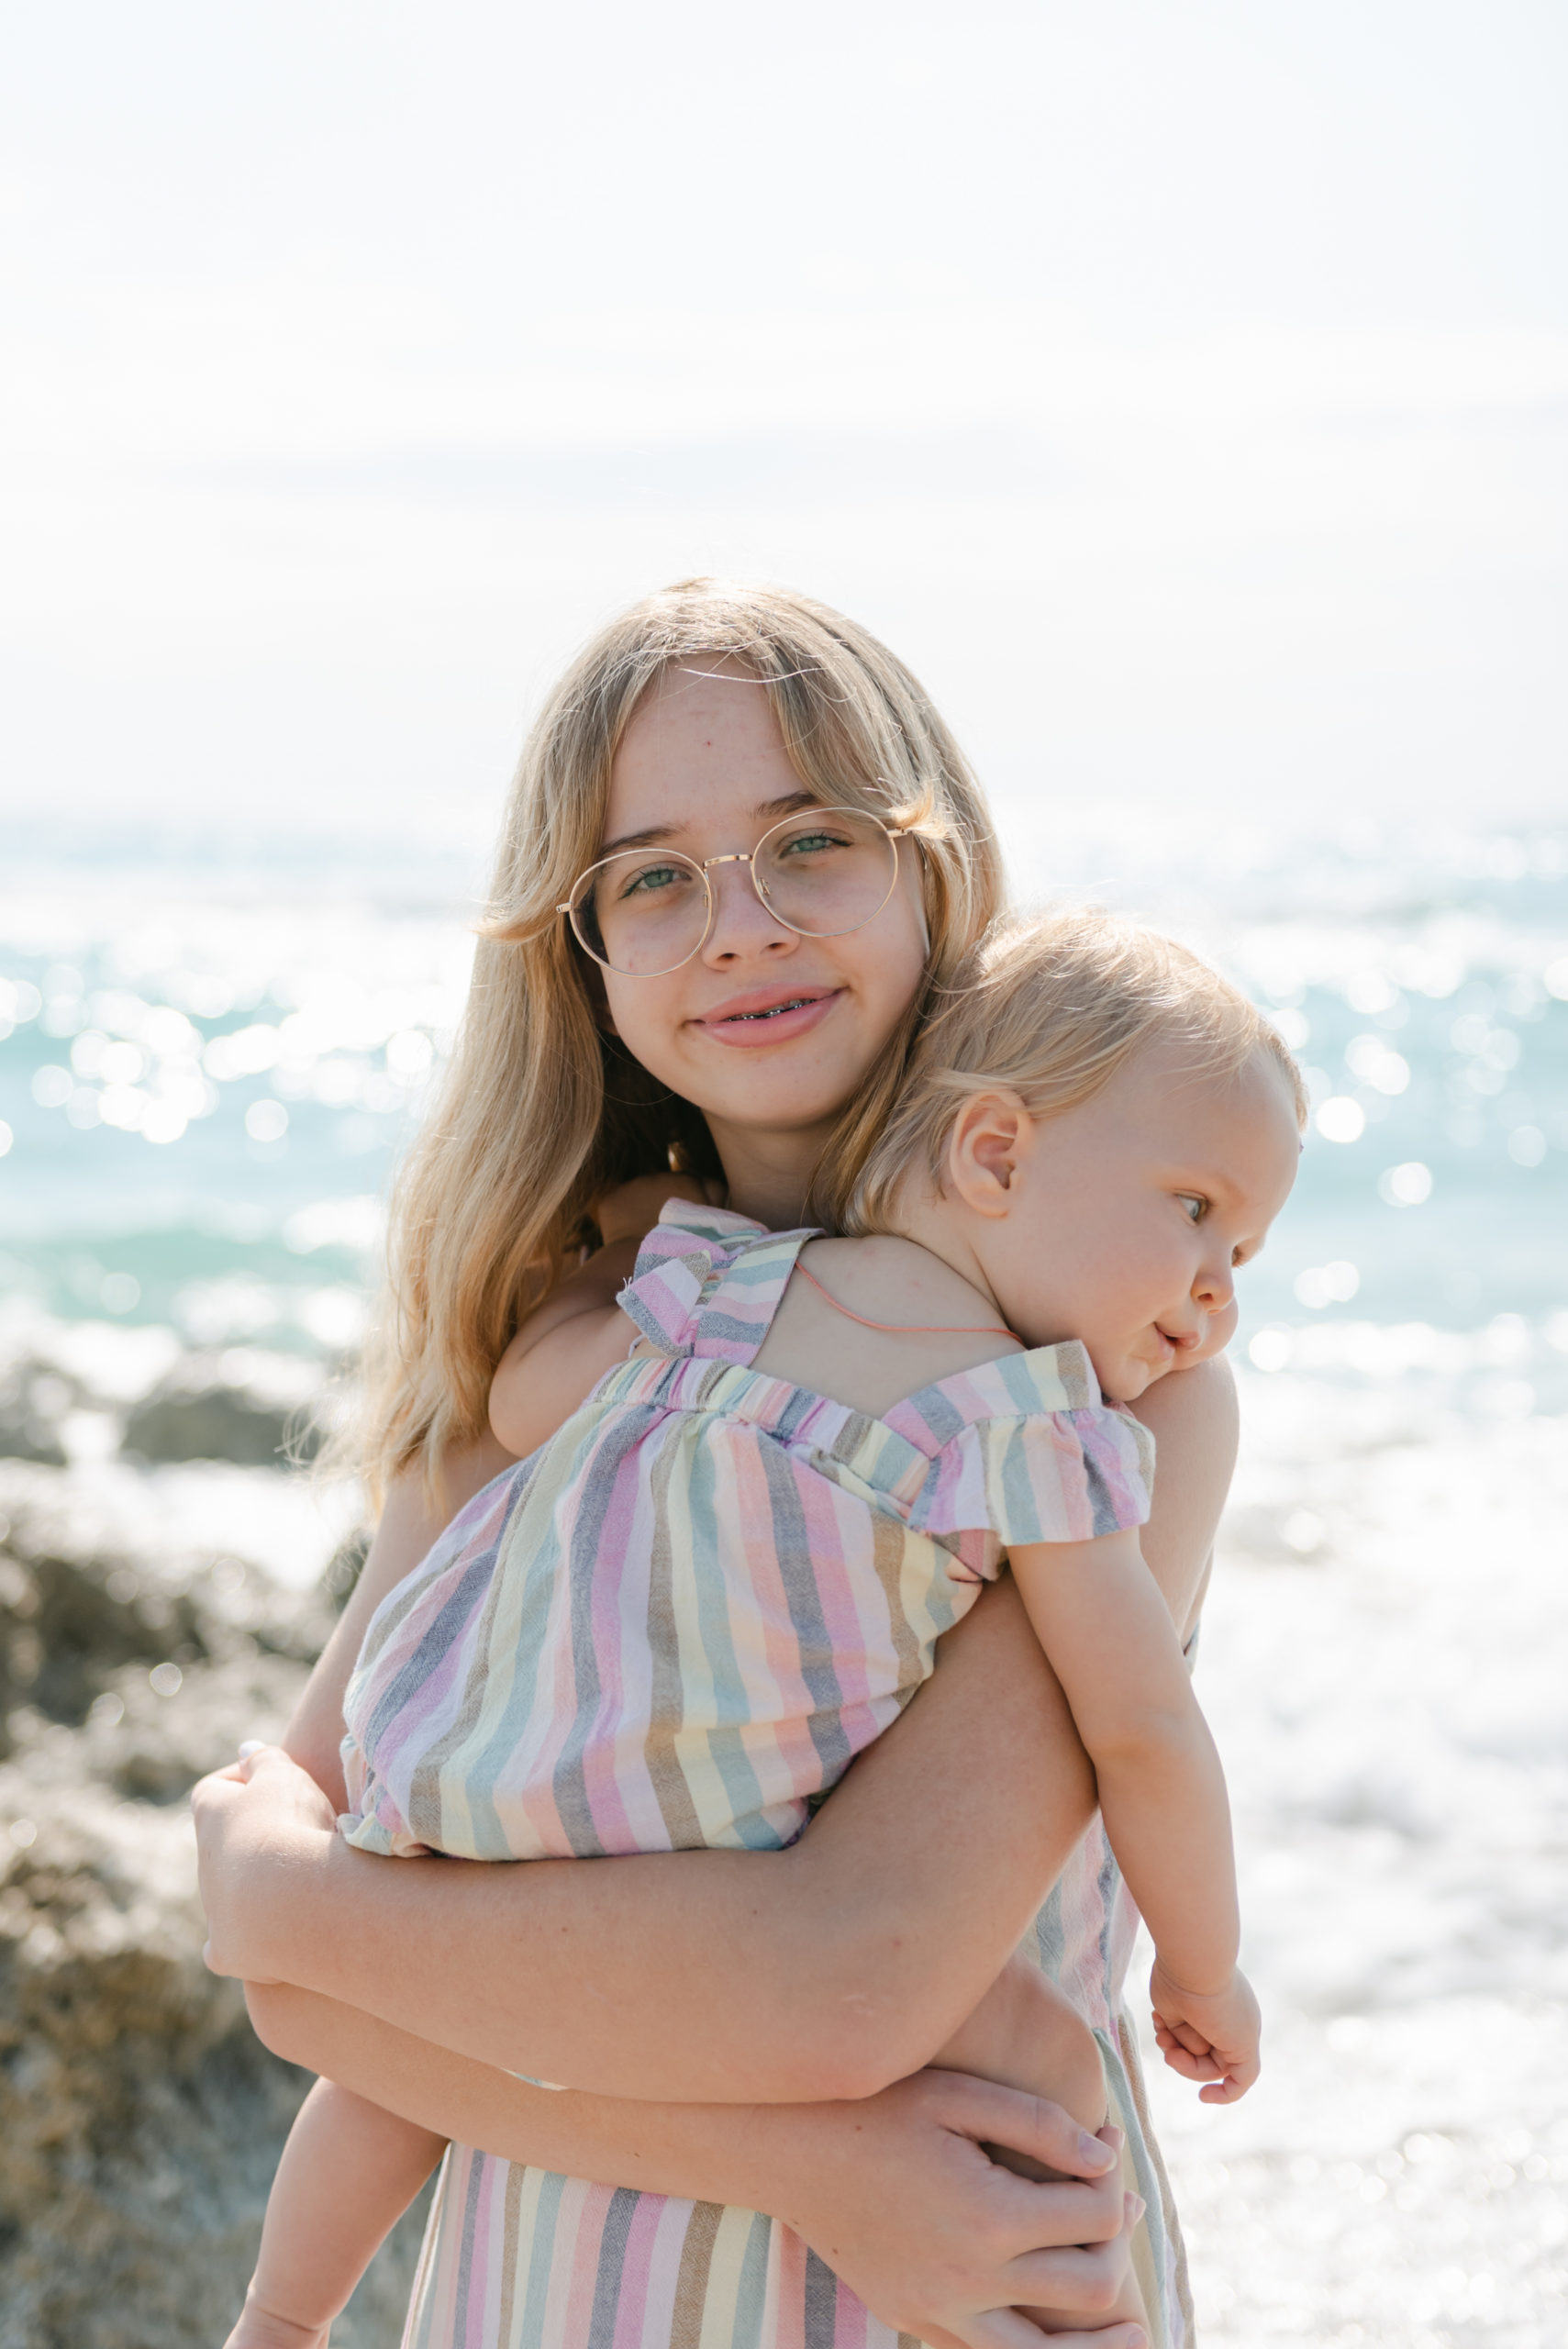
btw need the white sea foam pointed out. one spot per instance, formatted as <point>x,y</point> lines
<point>201,1508</point>
<point>1393,1724</point>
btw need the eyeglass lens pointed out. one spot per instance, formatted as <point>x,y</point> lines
<point>823,873</point>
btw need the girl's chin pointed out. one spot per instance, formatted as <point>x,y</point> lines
<point>784,1093</point>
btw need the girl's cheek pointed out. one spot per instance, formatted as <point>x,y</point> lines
<point>646,1028</point>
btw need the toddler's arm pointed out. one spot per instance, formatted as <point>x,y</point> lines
<point>347,2172</point>
<point>1099,1617</point>
<point>564,1348</point>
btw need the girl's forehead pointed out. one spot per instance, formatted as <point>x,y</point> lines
<point>700,748</point>
<point>692,708</point>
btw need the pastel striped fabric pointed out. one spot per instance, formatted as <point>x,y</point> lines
<point>521,2258</point>
<point>673,1627</point>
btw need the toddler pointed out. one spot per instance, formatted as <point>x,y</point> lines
<point>796,1460</point>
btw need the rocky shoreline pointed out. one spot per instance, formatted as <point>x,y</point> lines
<point>140,2118</point>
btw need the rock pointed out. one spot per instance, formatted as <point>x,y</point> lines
<point>140,2118</point>
<point>241,1405</point>
<point>32,1401</point>
<point>80,1389</point>
<point>74,1622</point>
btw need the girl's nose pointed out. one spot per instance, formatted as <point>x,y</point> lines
<point>742,926</point>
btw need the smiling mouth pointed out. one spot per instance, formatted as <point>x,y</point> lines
<point>773,1011</point>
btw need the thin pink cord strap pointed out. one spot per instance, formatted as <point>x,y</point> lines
<point>907,1328</point>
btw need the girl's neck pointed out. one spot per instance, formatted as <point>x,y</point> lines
<point>768,1176</point>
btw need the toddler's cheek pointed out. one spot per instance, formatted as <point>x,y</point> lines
<point>1221,1330</point>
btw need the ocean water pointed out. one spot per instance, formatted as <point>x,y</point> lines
<point>208,1064</point>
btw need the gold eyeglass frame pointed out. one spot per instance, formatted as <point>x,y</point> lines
<point>702,866</point>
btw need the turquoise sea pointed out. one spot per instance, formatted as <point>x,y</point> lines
<point>210,1057</point>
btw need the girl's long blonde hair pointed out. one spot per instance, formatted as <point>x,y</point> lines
<point>540,1110</point>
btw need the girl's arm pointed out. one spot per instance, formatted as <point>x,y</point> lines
<point>1193,1418</point>
<point>829,1969</point>
<point>786,1975</point>
<point>894,2193</point>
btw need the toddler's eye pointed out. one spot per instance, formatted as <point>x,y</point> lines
<point>1197,1209</point>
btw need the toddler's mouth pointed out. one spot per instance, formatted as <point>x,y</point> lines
<point>1180,1341</point>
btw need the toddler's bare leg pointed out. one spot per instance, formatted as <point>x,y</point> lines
<point>348,2171</point>
<point>1025,2034</point>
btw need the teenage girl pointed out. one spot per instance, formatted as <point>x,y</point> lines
<point>832,1970</point>
<point>678,1623</point>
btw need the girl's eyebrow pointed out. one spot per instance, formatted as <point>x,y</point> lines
<point>656,835</point>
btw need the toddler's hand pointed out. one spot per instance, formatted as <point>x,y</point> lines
<point>1213,2038</point>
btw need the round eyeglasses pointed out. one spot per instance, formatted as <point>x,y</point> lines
<point>822,872</point>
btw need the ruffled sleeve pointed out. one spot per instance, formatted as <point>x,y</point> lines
<point>1063,1475</point>
<point>684,1256</point>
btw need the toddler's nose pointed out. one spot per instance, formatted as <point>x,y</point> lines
<point>1213,1288</point>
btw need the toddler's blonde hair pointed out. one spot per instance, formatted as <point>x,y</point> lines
<point>540,1110</point>
<point>1049,1010</point>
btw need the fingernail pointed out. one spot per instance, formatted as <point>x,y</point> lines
<point>1093,2154</point>
<point>1136,2207</point>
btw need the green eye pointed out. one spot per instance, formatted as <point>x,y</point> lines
<point>652,877</point>
<point>810,843</point>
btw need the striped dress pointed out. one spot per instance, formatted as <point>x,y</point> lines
<point>675,1626</point>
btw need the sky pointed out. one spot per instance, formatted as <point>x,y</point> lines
<point>1182,389</point>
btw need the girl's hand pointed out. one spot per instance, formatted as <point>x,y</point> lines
<point>261,1815</point>
<point>631,1210</point>
<point>1213,2038</point>
<point>896,2194</point>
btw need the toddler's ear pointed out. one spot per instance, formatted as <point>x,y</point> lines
<point>991,1135</point>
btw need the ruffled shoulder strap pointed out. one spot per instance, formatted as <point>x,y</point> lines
<point>709,1283</point>
<point>1068,1469</point>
